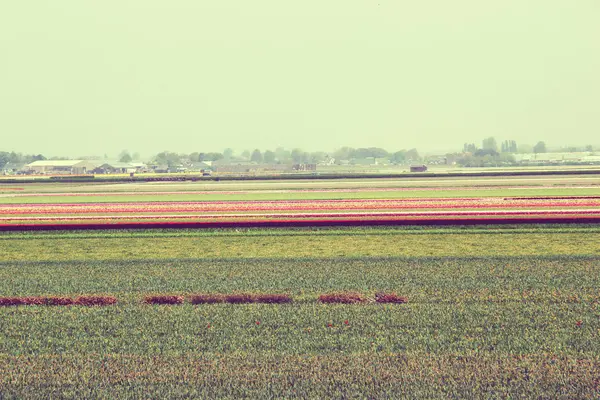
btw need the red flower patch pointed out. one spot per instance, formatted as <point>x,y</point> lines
<point>11,301</point>
<point>57,301</point>
<point>273,298</point>
<point>342,298</point>
<point>207,298</point>
<point>239,298</point>
<point>390,298</point>
<point>33,301</point>
<point>95,300</point>
<point>163,300</point>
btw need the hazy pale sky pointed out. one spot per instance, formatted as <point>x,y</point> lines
<point>93,77</point>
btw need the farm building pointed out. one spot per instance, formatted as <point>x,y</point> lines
<point>550,158</point>
<point>304,167</point>
<point>418,168</point>
<point>248,167</point>
<point>115,168</point>
<point>61,167</point>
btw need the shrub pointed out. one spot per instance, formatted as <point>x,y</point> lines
<point>207,298</point>
<point>95,300</point>
<point>273,298</point>
<point>390,298</point>
<point>342,297</point>
<point>163,300</point>
<point>239,298</point>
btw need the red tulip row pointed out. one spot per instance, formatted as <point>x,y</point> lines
<point>236,298</point>
<point>245,298</point>
<point>58,301</point>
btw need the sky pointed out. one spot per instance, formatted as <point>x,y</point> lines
<point>97,77</point>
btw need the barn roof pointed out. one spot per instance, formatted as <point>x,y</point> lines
<point>116,164</point>
<point>54,163</point>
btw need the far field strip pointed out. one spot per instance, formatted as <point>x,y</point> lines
<point>349,243</point>
<point>306,184</point>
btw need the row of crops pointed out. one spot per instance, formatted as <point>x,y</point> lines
<point>213,298</point>
<point>297,213</point>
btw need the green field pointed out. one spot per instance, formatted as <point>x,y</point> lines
<point>492,312</point>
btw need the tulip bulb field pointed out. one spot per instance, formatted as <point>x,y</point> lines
<point>357,288</point>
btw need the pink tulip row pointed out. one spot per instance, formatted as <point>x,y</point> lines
<point>299,190</point>
<point>247,206</point>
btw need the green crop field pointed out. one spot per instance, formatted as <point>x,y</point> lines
<point>492,312</point>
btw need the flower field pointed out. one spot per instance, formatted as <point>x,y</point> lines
<point>482,296</point>
<point>301,212</point>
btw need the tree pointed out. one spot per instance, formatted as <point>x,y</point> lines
<point>212,156</point>
<point>4,158</point>
<point>298,156</point>
<point>412,155</point>
<point>282,155</point>
<point>485,152</point>
<point>589,148</point>
<point>317,157</point>
<point>168,158</point>
<point>469,148</point>
<point>15,158</point>
<point>344,153</point>
<point>269,157</point>
<point>509,146</point>
<point>256,156</point>
<point>378,152</point>
<point>125,157</point>
<point>490,144</point>
<point>370,152</point>
<point>540,147</point>
<point>228,153</point>
<point>398,157</point>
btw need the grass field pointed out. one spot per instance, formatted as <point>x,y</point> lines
<point>492,312</point>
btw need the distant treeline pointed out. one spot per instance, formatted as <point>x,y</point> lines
<point>490,152</point>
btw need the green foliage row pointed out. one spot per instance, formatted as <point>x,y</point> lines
<point>453,280</point>
<point>247,245</point>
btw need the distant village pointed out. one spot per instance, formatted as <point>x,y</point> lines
<point>81,167</point>
<point>283,161</point>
